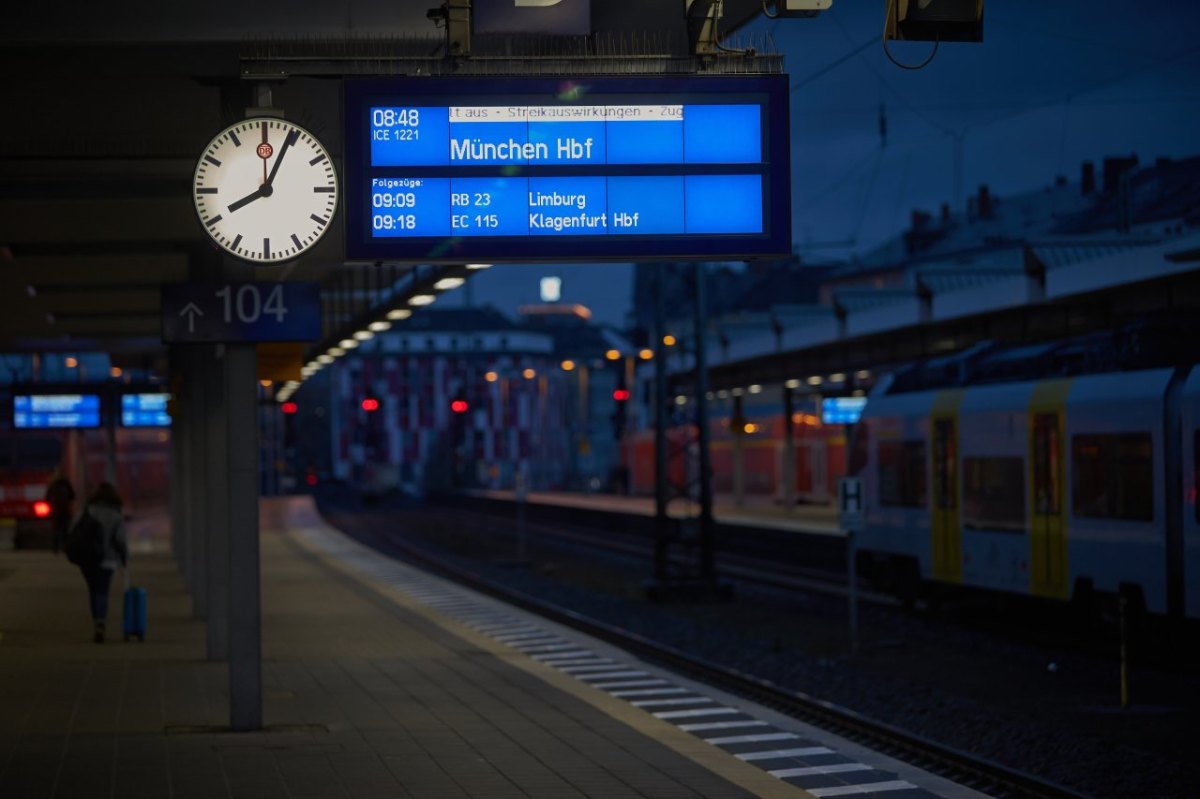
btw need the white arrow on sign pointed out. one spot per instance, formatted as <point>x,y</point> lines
<point>191,311</point>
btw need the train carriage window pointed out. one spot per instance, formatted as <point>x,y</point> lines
<point>994,494</point>
<point>1112,476</point>
<point>902,471</point>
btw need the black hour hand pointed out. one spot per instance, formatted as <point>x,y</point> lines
<point>249,198</point>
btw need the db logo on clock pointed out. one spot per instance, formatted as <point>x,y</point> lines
<point>265,150</point>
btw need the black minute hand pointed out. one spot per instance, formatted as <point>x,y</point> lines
<point>292,138</point>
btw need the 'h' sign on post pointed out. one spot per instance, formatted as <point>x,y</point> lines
<point>852,504</point>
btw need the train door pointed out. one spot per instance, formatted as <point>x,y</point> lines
<point>947,528</point>
<point>1047,477</point>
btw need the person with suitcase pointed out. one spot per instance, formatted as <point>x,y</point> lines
<point>97,544</point>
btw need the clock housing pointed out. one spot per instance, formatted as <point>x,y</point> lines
<point>265,190</point>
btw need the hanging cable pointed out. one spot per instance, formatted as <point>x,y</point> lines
<point>888,53</point>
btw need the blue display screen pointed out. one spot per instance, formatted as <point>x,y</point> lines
<point>453,169</point>
<point>43,411</point>
<point>842,410</point>
<point>144,410</point>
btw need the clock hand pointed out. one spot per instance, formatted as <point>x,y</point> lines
<point>249,198</point>
<point>292,138</point>
<point>264,141</point>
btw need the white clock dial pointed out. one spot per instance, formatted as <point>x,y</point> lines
<point>265,190</point>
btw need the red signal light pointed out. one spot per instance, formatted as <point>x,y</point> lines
<point>621,394</point>
<point>459,406</point>
<point>289,407</point>
<point>370,404</point>
<point>41,509</point>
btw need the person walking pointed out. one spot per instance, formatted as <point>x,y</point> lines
<point>61,496</point>
<point>101,527</point>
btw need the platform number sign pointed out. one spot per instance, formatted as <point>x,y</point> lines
<point>231,312</point>
<point>852,504</point>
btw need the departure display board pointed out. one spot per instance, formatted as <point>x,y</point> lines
<point>44,411</point>
<point>584,169</point>
<point>842,410</point>
<point>145,410</point>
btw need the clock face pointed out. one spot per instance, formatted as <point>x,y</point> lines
<point>265,190</point>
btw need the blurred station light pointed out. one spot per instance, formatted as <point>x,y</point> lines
<point>335,352</point>
<point>459,405</point>
<point>621,394</point>
<point>755,389</point>
<point>568,365</point>
<point>449,283</point>
<point>325,359</point>
<point>529,374</point>
<point>379,327</point>
<point>41,509</point>
<point>115,371</point>
<point>477,267</point>
<point>70,362</point>
<point>364,335</point>
<point>491,377</point>
<point>837,377</point>
<point>613,355</point>
<point>397,314</point>
<point>815,380</point>
<point>792,384</point>
<point>347,343</point>
<point>669,340</point>
<point>289,408</point>
<point>646,354</point>
<point>370,404</point>
<point>421,299</point>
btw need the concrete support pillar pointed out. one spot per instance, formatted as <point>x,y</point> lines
<point>186,426</point>
<point>196,475</point>
<point>217,484</point>
<point>245,622</point>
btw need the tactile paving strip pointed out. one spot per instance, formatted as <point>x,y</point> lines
<point>818,769</point>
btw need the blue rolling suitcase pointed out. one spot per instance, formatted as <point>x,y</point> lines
<point>135,611</point>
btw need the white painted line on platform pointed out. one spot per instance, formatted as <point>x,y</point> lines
<point>870,787</point>
<point>598,661</point>
<point>629,684</point>
<point>808,771</point>
<point>720,725</point>
<point>688,714</point>
<point>611,675</point>
<point>553,656</point>
<point>651,692</point>
<point>806,751</point>
<point>691,700</point>
<point>761,737</point>
<point>584,668</point>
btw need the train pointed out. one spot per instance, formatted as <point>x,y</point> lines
<point>28,460</point>
<point>1066,471</point>
<point>1078,488</point>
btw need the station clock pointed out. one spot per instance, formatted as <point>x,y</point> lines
<point>265,190</point>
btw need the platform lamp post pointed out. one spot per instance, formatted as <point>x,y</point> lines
<point>662,529</point>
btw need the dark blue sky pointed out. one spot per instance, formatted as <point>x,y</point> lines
<point>1052,85</point>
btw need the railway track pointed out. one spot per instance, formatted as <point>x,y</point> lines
<point>986,776</point>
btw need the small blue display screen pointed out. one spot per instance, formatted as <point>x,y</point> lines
<point>44,411</point>
<point>448,169</point>
<point>145,410</point>
<point>842,410</point>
